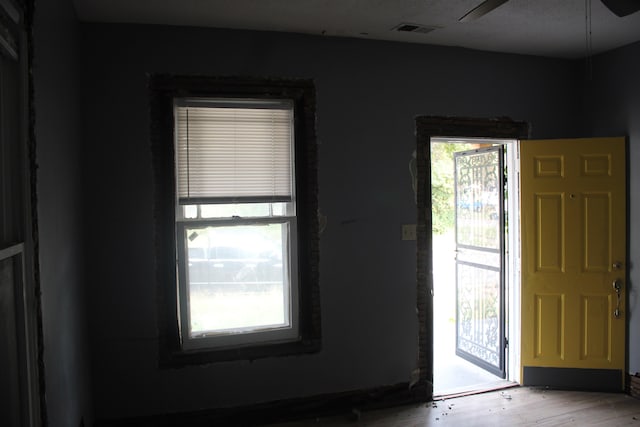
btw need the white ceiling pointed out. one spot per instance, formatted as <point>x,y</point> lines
<point>555,28</point>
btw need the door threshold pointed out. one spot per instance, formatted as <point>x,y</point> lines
<point>475,389</point>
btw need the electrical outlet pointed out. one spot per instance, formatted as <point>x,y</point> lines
<point>408,232</point>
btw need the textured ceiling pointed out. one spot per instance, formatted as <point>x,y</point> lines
<point>555,28</point>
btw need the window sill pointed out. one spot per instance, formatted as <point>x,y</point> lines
<point>182,358</point>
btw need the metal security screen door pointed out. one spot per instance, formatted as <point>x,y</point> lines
<point>479,222</point>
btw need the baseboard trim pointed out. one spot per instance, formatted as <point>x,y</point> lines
<point>632,385</point>
<point>284,410</point>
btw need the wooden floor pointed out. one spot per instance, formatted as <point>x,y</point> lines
<point>520,406</point>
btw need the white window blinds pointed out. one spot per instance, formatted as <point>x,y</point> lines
<point>231,151</point>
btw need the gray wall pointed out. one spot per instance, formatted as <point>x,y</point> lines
<point>60,208</point>
<point>368,95</point>
<point>612,108</point>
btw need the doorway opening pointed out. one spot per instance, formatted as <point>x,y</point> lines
<point>475,259</point>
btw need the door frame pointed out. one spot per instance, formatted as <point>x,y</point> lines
<point>22,245</point>
<point>428,127</point>
<point>511,266</point>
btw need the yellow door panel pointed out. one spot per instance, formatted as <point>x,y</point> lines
<point>595,327</point>
<point>549,326</point>
<point>549,232</point>
<point>596,216</point>
<point>573,213</point>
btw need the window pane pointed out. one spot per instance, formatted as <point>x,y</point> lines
<point>237,280</point>
<point>280,209</point>
<point>191,211</point>
<point>241,210</point>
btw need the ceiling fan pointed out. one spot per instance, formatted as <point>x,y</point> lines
<point>619,7</point>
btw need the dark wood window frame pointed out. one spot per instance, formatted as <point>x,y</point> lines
<point>428,127</point>
<point>163,89</point>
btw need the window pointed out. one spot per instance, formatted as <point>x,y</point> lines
<point>236,222</point>
<point>236,216</point>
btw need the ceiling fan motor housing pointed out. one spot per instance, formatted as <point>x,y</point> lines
<point>622,7</point>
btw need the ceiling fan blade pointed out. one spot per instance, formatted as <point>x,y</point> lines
<point>481,10</point>
<point>622,7</point>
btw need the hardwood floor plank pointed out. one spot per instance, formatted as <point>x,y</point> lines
<point>521,406</point>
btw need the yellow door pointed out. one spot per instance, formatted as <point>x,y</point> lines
<point>573,212</point>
